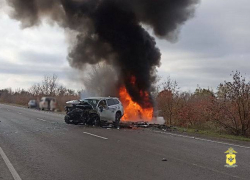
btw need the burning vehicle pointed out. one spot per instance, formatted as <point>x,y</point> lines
<point>112,32</point>
<point>94,111</point>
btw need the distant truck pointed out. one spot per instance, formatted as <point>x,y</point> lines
<point>47,103</point>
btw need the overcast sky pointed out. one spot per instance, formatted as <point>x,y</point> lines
<point>210,46</point>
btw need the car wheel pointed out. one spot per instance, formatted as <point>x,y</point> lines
<point>95,119</point>
<point>67,119</point>
<point>117,119</point>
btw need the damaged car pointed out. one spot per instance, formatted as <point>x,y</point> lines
<point>94,111</point>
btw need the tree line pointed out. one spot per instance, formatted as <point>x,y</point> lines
<point>49,87</point>
<point>226,110</point>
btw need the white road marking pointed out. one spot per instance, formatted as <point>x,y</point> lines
<point>95,135</point>
<point>217,171</point>
<point>201,139</point>
<point>41,119</point>
<point>19,113</point>
<point>9,165</point>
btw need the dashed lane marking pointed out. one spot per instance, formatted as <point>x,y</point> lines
<point>41,119</point>
<point>95,135</point>
<point>201,139</point>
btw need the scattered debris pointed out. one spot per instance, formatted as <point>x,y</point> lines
<point>164,159</point>
<point>144,124</point>
<point>125,125</point>
<point>108,126</point>
<point>141,124</point>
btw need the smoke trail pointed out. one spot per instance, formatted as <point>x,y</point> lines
<point>112,31</point>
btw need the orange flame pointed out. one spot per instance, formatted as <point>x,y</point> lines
<point>132,110</point>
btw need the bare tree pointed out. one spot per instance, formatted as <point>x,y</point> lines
<point>35,89</point>
<point>61,91</point>
<point>49,85</point>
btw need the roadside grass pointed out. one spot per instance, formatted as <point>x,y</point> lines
<point>211,133</point>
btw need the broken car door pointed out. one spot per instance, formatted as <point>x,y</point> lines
<point>103,110</point>
<point>112,109</point>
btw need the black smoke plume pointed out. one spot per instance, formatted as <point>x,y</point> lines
<point>112,31</point>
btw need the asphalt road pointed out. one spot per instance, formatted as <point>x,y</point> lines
<point>40,146</point>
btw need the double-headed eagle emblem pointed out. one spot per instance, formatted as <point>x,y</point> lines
<point>231,158</point>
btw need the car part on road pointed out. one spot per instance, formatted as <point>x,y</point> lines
<point>164,159</point>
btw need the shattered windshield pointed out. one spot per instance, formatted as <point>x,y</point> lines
<point>93,102</point>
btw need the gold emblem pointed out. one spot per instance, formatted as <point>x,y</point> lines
<point>231,158</point>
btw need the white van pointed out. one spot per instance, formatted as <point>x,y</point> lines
<point>47,103</point>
